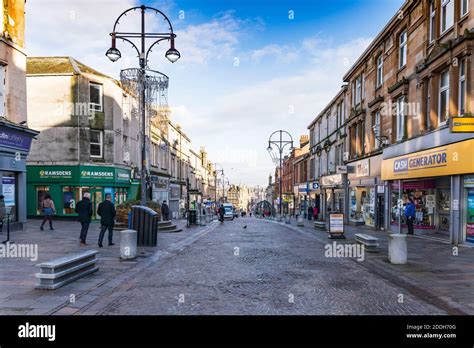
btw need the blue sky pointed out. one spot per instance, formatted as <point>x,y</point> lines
<point>247,69</point>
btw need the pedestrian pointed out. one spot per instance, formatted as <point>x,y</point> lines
<point>3,211</point>
<point>410,214</point>
<point>106,211</point>
<point>48,210</point>
<point>315,213</point>
<point>84,211</point>
<point>310,212</point>
<point>221,213</point>
<point>165,211</point>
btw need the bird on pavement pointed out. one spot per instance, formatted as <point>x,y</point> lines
<point>245,226</point>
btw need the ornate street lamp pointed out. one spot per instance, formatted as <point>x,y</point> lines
<point>113,53</point>
<point>283,139</point>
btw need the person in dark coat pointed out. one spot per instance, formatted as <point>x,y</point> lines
<point>310,212</point>
<point>221,213</point>
<point>106,210</point>
<point>165,211</point>
<point>84,211</point>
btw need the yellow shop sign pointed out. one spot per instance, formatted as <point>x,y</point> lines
<point>452,159</point>
<point>462,124</point>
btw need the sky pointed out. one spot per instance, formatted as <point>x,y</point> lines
<point>247,67</point>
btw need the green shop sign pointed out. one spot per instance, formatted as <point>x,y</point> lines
<point>78,174</point>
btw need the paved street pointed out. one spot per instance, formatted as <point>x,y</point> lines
<point>266,268</point>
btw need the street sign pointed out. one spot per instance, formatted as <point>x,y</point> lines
<point>315,185</point>
<point>341,169</point>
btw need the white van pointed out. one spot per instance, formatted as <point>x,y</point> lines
<point>228,211</point>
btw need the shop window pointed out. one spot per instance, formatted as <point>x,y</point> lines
<point>443,110</point>
<point>95,97</point>
<point>447,14</point>
<point>423,194</point>
<point>402,51</point>
<point>462,87</point>
<point>41,192</point>
<point>470,215</point>
<point>69,199</point>
<point>96,143</point>
<point>444,208</point>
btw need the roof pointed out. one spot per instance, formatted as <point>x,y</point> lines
<point>59,66</point>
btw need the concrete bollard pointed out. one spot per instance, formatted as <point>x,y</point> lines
<point>288,219</point>
<point>279,218</point>
<point>300,222</point>
<point>397,249</point>
<point>128,244</point>
<point>202,220</point>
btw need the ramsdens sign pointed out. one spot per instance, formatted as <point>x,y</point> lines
<point>452,159</point>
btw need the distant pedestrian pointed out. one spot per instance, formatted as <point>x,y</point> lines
<point>84,211</point>
<point>165,211</point>
<point>315,213</point>
<point>221,213</point>
<point>310,212</point>
<point>107,213</point>
<point>410,214</point>
<point>48,210</point>
<point>3,211</point>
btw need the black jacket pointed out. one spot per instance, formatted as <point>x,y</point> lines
<point>165,209</point>
<point>106,210</point>
<point>84,210</point>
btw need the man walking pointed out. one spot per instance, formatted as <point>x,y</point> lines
<point>84,211</point>
<point>165,211</point>
<point>410,214</point>
<point>106,210</point>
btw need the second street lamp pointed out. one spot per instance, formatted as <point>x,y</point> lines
<point>114,54</point>
<point>280,139</point>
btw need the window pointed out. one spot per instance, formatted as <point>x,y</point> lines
<point>2,90</point>
<point>340,115</point>
<point>462,87</point>
<point>95,97</point>
<point>428,105</point>
<point>447,14</point>
<point>464,7</point>
<point>402,59</point>
<point>400,118</point>
<point>96,143</point>
<point>358,90</point>
<point>377,130</point>
<point>443,110</point>
<point>379,70</point>
<point>432,34</point>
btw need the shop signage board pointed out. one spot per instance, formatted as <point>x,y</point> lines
<point>452,159</point>
<point>336,225</point>
<point>341,169</point>
<point>363,168</point>
<point>430,201</point>
<point>331,180</point>
<point>462,124</point>
<point>14,140</point>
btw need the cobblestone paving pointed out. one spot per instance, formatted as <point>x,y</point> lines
<point>263,269</point>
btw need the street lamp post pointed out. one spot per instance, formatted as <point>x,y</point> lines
<point>114,54</point>
<point>283,138</point>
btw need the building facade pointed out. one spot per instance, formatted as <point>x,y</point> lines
<point>89,140</point>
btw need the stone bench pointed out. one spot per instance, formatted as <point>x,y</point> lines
<point>321,225</point>
<point>370,243</point>
<point>66,269</point>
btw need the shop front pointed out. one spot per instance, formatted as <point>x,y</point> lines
<point>15,145</point>
<point>332,195</point>
<point>160,188</point>
<point>67,185</point>
<point>366,193</point>
<point>439,182</point>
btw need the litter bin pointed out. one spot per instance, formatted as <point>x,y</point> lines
<point>192,217</point>
<point>145,222</point>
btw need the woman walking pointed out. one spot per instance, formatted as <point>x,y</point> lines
<point>48,209</point>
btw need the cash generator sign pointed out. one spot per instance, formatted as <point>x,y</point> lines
<point>452,159</point>
<point>432,160</point>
